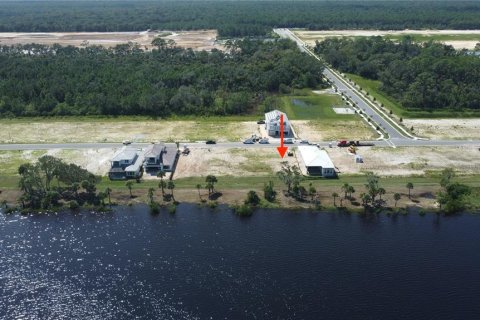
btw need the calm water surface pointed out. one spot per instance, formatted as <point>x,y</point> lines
<point>203,264</point>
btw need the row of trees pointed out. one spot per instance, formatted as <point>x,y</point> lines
<point>428,76</point>
<point>234,18</point>
<point>39,80</point>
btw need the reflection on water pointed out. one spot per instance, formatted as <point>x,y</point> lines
<point>201,264</point>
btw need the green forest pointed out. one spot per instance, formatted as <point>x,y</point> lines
<point>37,80</point>
<point>235,18</point>
<point>428,76</point>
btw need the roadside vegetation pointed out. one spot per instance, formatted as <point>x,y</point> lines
<point>421,79</point>
<point>235,18</point>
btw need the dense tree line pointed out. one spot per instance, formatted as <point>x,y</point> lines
<point>50,180</point>
<point>425,76</point>
<point>39,80</point>
<point>235,18</point>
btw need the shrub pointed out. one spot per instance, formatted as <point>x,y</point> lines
<point>73,205</point>
<point>172,208</point>
<point>154,207</point>
<point>244,210</point>
<point>252,198</point>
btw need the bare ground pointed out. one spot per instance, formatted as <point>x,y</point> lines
<point>446,128</point>
<point>117,131</point>
<point>311,36</point>
<point>230,161</point>
<point>337,130</point>
<point>197,40</point>
<point>407,160</point>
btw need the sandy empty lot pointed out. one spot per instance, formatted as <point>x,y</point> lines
<point>407,161</point>
<point>320,131</point>
<point>117,131</point>
<point>197,40</point>
<point>446,128</point>
<point>231,162</point>
<point>311,36</point>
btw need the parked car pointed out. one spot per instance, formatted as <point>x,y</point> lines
<point>261,122</point>
<point>249,141</point>
<point>304,141</point>
<point>288,141</point>
<point>264,141</point>
<point>127,142</point>
<point>210,142</point>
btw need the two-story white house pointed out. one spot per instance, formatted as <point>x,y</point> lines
<point>272,123</point>
<point>127,163</point>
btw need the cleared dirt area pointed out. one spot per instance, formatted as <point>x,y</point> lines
<point>446,128</point>
<point>117,131</point>
<point>197,40</point>
<point>311,36</point>
<point>407,161</point>
<point>230,162</point>
<point>337,130</point>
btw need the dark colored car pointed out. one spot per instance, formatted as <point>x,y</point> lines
<point>261,122</point>
<point>211,142</point>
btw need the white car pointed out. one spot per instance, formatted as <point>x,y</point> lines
<point>288,141</point>
<point>264,141</point>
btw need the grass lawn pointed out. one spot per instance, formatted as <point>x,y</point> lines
<point>313,107</point>
<point>437,37</point>
<point>373,88</point>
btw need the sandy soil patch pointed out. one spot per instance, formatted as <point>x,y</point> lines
<point>117,131</point>
<point>311,36</point>
<point>336,130</point>
<point>464,129</point>
<point>224,161</point>
<point>407,161</point>
<point>197,40</point>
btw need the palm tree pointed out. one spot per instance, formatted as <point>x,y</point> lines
<point>102,196</point>
<point>129,185</point>
<point>161,174</point>
<point>312,191</point>
<point>351,191</point>
<point>396,197</point>
<point>345,189</point>
<point>366,198</point>
<point>409,187</point>
<point>199,186</point>
<point>171,186</point>
<point>334,195</point>
<point>211,180</point>
<point>151,192</point>
<point>381,191</point>
<point>108,192</point>
<point>162,185</point>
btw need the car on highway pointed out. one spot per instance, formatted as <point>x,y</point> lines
<point>210,142</point>
<point>248,141</point>
<point>304,142</point>
<point>288,141</point>
<point>264,141</point>
<point>126,142</point>
<point>261,122</point>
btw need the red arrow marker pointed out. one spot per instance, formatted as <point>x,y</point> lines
<point>281,149</point>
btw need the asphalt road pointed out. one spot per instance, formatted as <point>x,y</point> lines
<point>377,143</point>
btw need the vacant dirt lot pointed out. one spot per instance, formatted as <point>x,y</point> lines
<point>407,161</point>
<point>325,131</point>
<point>311,36</point>
<point>197,40</point>
<point>230,162</point>
<point>446,128</point>
<point>117,131</point>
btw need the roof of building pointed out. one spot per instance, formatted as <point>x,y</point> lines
<point>275,116</point>
<point>154,150</point>
<point>135,166</point>
<point>126,153</point>
<point>314,157</point>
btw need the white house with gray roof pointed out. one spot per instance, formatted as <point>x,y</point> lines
<point>272,123</point>
<point>127,163</point>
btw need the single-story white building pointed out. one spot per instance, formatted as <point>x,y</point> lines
<point>317,161</point>
<point>272,123</point>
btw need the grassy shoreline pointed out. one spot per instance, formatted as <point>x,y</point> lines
<point>234,191</point>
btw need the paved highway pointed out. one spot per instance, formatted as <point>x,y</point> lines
<point>377,143</point>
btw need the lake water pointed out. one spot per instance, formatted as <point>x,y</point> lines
<point>210,264</point>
